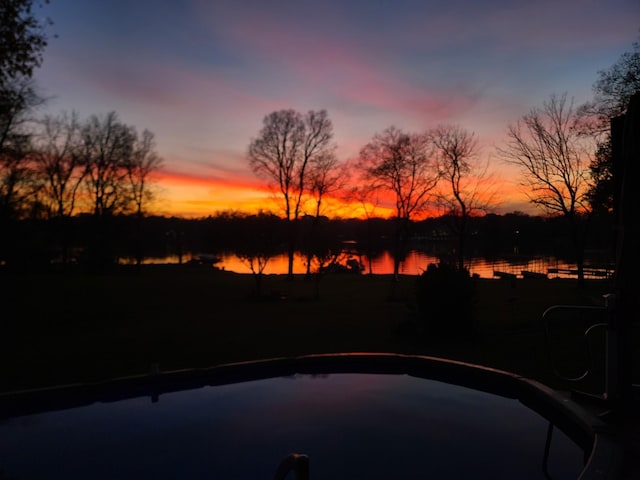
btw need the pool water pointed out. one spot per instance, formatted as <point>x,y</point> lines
<point>352,426</point>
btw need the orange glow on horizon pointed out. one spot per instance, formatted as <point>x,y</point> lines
<point>194,197</point>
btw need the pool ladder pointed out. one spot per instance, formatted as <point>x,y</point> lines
<point>612,387</point>
<point>612,381</point>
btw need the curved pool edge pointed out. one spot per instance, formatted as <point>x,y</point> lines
<point>587,430</point>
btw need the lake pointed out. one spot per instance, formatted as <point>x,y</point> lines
<point>415,263</point>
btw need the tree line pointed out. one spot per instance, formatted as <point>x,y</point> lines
<point>62,165</point>
<point>562,151</point>
<point>265,235</point>
<point>295,153</point>
<point>54,166</point>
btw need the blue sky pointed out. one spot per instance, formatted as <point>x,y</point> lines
<point>202,74</point>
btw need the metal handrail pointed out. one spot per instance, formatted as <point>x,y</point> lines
<point>586,334</point>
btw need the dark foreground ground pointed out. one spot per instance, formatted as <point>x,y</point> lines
<point>60,328</point>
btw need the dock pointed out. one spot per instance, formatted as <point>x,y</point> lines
<point>588,272</point>
<point>504,275</point>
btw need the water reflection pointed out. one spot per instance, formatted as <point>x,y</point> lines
<point>415,263</point>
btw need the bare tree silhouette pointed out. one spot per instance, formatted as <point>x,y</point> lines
<point>283,153</point>
<point>325,177</point>
<point>58,164</point>
<point>108,146</point>
<point>117,166</point>
<point>140,167</point>
<point>58,161</point>
<point>467,192</point>
<point>404,165</point>
<point>553,154</point>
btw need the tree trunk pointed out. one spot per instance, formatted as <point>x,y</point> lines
<point>462,231</point>
<point>138,238</point>
<point>62,226</point>
<point>400,241</point>
<point>291,248</point>
<point>577,238</point>
<point>258,278</point>
<point>310,240</point>
<point>369,247</point>
<point>402,233</point>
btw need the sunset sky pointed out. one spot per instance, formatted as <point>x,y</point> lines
<point>202,74</point>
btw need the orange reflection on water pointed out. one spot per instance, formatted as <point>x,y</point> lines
<point>278,264</point>
<point>414,264</point>
<point>417,262</point>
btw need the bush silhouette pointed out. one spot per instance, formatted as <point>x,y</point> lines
<point>445,298</point>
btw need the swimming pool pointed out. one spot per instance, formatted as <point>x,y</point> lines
<point>372,416</point>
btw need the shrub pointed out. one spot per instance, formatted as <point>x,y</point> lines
<point>445,299</point>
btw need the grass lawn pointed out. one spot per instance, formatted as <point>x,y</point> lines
<point>64,328</point>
